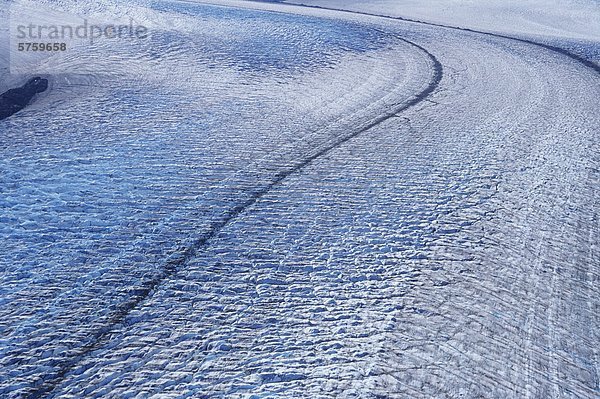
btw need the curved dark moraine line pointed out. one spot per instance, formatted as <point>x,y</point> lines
<point>14,100</point>
<point>46,385</point>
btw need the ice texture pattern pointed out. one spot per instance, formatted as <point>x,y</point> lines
<point>274,201</point>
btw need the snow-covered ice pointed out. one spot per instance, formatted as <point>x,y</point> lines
<point>576,19</point>
<point>303,204</point>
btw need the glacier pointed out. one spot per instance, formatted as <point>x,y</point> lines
<point>268,200</point>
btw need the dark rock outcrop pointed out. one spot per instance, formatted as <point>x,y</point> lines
<point>14,100</point>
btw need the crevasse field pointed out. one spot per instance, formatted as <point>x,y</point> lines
<point>341,199</point>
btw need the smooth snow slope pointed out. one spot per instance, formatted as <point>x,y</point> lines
<point>369,219</point>
<point>575,19</point>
